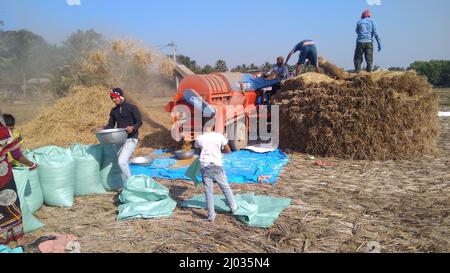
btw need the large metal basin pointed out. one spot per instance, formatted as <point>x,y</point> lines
<point>142,161</point>
<point>112,136</point>
<point>183,155</point>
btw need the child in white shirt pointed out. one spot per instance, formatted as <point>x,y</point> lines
<point>211,145</point>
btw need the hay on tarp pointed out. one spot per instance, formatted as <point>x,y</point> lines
<point>377,116</point>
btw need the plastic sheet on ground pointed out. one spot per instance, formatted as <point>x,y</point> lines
<point>241,167</point>
<point>254,211</point>
<point>5,249</point>
<point>144,198</point>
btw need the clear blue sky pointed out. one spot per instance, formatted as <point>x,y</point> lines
<point>246,31</point>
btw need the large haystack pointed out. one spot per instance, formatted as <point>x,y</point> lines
<point>377,116</point>
<point>73,117</point>
<point>87,105</point>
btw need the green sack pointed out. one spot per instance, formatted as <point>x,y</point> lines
<point>21,177</point>
<point>57,175</point>
<point>143,197</point>
<point>33,190</point>
<point>110,173</point>
<point>88,159</point>
<point>255,211</point>
<point>147,210</point>
<point>142,188</point>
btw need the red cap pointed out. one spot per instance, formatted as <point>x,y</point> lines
<point>366,14</point>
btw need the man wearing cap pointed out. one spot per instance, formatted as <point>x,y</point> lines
<point>366,30</point>
<point>280,70</point>
<point>308,51</point>
<point>124,115</point>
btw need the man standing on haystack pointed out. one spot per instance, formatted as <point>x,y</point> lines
<point>366,30</point>
<point>124,115</point>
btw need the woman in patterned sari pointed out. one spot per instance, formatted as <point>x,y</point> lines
<point>10,213</point>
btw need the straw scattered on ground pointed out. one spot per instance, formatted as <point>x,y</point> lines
<point>401,205</point>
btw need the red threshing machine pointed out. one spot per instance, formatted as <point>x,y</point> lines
<point>215,93</point>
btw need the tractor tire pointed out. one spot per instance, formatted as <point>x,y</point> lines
<point>240,138</point>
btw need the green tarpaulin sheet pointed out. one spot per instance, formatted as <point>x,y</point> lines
<point>255,211</point>
<point>147,210</point>
<point>143,197</point>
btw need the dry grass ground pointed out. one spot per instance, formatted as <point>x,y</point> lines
<point>24,112</point>
<point>403,205</point>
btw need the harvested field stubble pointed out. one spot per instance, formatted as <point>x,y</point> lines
<point>381,116</point>
<point>402,205</point>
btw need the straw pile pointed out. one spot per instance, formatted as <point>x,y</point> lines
<point>72,119</point>
<point>377,116</point>
<point>121,63</point>
<point>87,105</point>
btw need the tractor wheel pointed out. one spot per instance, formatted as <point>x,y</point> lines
<point>240,138</point>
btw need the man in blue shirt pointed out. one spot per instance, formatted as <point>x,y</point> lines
<point>308,51</point>
<point>280,70</point>
<point>366,30</point>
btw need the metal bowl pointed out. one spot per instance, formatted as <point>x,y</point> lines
<point>112,136</point>
<point>142,161</point>
<point>183,155</point>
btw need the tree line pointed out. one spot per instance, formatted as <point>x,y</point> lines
<point>25,55</point>
<point>437,71</point>
<point>84,58</point>
<point>221,66</point>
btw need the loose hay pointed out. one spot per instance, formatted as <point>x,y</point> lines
<point>72,119</point>
<point>378,116</point>
<point>332,70</point>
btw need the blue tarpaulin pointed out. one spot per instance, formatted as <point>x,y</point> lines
<point>241,167</point>
<point>5,249</point>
